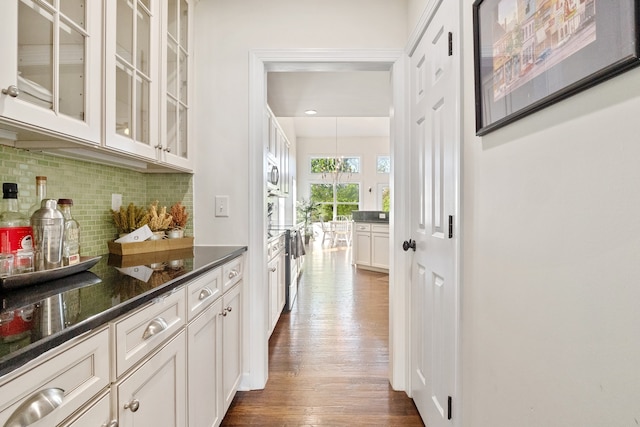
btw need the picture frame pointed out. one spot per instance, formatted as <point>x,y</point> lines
<point>529,54</point>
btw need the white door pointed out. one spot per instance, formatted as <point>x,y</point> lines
<point>434,169</point>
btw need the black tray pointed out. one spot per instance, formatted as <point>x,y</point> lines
<point>18,281</point>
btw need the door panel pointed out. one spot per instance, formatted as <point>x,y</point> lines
<point>434,169</point>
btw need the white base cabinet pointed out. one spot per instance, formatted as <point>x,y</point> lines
<point>371,246</point>
<point>214,344</point>
<point>155,393</point>
<point>204,350</point>
<point>231,344</point>
<point>165,371</point>
<point>277,291</point>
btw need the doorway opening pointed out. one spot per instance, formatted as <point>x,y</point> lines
<point>261,62</point>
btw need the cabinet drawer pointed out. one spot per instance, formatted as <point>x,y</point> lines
<point>362,227</point>
<point>81,371</point>
<point>96,414</point>
<point>203,291</point>
<point>380,228</point>
<point>232,273</point>
<point>139,333</point>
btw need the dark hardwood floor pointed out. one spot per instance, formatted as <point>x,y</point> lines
<point>328,357</point>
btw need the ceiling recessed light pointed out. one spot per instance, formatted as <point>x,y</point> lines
<point>311,112</point>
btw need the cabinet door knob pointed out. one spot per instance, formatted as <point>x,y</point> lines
<point>134,405</point>
<point>224,313</point>
<point>12,91</point>
<point>168,149</point>
<point>156,326</point>
<point>273,269</point>
<point>36,407</point>
<point>205,293</point>
<point>229,308</point>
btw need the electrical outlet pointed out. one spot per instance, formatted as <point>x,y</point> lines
<point>222,205</point>
<point>116,201</point>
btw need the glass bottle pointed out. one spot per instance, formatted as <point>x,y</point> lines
<point>10,215</point>
<point>16,236</point>
<point>41,193</point>
<point>71,237</point>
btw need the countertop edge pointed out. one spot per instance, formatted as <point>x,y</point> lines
<point>31,353</point>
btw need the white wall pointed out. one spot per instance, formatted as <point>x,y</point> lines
<point>367,148</point>
<point>550,314</point>
<point>414,11</point>
<point>225,32</point>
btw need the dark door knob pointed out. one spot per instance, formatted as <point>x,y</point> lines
<point>410,244</point>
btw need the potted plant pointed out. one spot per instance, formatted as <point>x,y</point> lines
<point>179,217</point>
<point>306,209</point>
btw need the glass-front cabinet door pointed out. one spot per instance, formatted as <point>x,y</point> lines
<point>132,76</point>
<point>174,131</point>
<point>50,73</point>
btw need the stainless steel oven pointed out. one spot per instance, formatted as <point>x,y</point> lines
<point>294,258</point>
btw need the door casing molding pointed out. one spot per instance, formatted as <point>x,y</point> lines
<point>255,296</point>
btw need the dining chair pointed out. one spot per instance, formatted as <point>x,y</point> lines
<point>327,230</point>
<point>341,232</point>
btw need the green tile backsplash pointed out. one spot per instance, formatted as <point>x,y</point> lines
<point>90,185</point>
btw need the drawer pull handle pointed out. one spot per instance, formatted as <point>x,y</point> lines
<point>156,326</point>
<point>13,92</point>
<point>205,293</point>
<point>36,407</point>
<point>233,273</point>
<point>112,423</point>
<point>273,269</point>
<point>134,405</point>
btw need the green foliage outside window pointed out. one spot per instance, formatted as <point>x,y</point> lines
<point>386,200</point>
<point>347,196</point>
<point>328,165</point>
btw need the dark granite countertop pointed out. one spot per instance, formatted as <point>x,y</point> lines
<point>370,216</point>
<point>38,318</point>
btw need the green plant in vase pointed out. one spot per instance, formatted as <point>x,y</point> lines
<point>306,209</point>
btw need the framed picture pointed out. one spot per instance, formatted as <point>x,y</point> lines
<point>532,53</point>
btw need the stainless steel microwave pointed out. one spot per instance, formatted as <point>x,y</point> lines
<point>273,176</point>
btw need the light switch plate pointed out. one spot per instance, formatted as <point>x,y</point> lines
<point>222,206</point>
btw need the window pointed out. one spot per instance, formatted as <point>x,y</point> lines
<point>383,164</point>
<point>341,198</point>
<point>329,164</point>
<point>384,197</point>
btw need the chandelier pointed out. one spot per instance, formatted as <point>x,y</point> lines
<point>335,168</point>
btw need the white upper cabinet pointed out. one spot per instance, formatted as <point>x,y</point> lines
<point>132,73</point>
<point>175,92</point>
<point>50,73</point>
<point>147,74</point>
